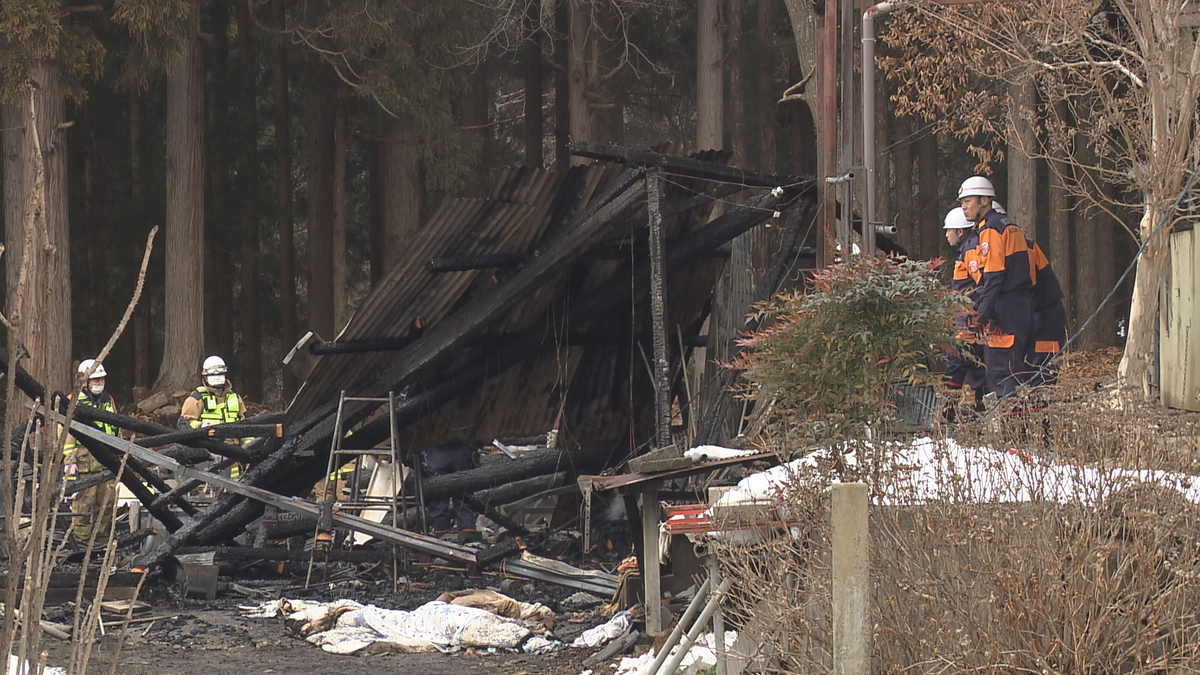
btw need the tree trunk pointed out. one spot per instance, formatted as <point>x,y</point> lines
<point>340,141</point>
<point>1095,262</point>
<point>534,125</point>
<point>737,90</point>
<point>902,159</point>
<point>1022,169</point>
<point>594,97</point>
<point>1059,221</point>
<point>95,305</point>
<point>142,377</point>
<point>402,194</point>
<point>183,339</point>
<point>1133,372</point>
<point>319,123</point>
<point>474,118</point>
<point>56,344</point>
<point>218,231</point>
<point>710,74</point>
<point>375,210</point>
<point>928,219</point>
<point>283,195</point>
<point>251,307</point>
<point>768,106</point>
<point>562,87</point>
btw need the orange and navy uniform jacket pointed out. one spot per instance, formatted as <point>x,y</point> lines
<point>1050,317</point>
<point>1006,280</point>
<point>966,280</point>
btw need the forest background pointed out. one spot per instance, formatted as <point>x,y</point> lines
<point>292,148</point>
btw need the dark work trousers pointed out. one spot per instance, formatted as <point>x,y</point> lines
<point>1049,334</point>
<point>966,367</point>
<point>1006,367</point>
<point>445,459</point>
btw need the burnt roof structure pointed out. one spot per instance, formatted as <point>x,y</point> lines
<point>512,315</point>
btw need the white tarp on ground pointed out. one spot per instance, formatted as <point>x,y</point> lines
<point>701,656</point>
<point>15,667</point>
<point>929,470</point>
<point>345,627</point>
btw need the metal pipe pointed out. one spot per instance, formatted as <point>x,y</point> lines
<point>868,107</point>
<point>845,228</point>
<point>693,608</point>
<point>828,129</point>
<point>714,602</point>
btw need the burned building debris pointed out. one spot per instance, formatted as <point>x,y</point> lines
<point>527,314</point>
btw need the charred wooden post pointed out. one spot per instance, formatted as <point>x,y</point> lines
<point>658,311</point>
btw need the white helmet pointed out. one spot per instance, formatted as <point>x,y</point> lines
<point>85,364</point>
<point>957,220</point>
<point>998,208</point>
<point>213,365</point>
<point>976,186</point>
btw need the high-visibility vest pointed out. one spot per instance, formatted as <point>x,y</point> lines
<point>218,410</point>
<point>74,453</point>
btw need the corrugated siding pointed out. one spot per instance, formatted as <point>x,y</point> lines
<point>1179,355</point>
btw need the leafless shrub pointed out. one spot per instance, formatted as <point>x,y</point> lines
<point>993,570</point>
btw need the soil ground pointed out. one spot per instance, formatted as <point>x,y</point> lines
<point>196,637</point>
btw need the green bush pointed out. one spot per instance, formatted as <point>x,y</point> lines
<point>829,358</point>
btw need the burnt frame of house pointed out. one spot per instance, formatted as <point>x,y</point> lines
<point>508,316</point>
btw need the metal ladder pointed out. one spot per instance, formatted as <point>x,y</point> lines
<point>357,500</point>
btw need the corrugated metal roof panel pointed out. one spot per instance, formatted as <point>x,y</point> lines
<point>410,297</point>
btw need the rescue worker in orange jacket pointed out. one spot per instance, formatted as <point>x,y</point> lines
<point>965,366</point>
<point>1049,319</point>
<point>1004,297</point>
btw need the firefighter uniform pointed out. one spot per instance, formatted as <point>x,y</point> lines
<point>91,507</point>
<point>207,406</point>
<point>1004,301</point>
<point>965,367</point>
<point>1049,318</point>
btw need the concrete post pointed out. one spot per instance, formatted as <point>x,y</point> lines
<point>851,643</point>
<point>651,580</point>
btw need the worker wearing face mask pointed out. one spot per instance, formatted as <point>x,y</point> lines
<point>213,402</point>
<point>965,366</point>
<point>91,507</point>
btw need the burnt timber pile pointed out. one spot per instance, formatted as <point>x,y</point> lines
<point>508,317</point>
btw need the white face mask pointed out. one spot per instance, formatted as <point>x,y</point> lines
<point>216,380</point>
<point>96,388</point>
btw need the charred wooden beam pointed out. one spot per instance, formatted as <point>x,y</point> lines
<point>502,471</point>
<point>363,346</point>
<point>223,431</point>
<point>478,262</point>
<point>686,166</point>
<point>242,554</point>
